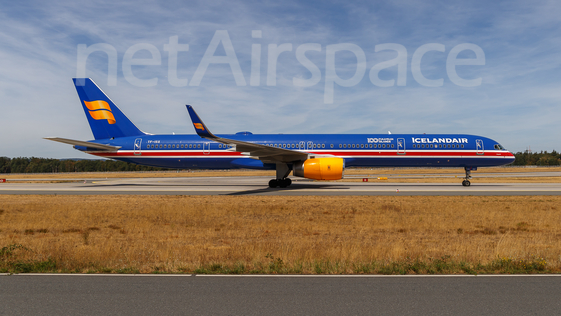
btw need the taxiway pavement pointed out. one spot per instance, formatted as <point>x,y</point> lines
<point>278,295</point>
<point>258,186</point>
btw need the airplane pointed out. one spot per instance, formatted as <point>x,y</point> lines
<point>312,156</point>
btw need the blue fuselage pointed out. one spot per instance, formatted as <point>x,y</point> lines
<point>364,150</point>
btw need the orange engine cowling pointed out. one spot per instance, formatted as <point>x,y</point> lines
<point>320,168</point>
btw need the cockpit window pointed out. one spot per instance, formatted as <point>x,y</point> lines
<point>499,147</point>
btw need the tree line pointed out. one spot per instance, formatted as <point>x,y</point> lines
<point>48,165</point>
<point>543,158</point>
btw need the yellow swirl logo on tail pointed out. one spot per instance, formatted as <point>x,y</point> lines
<point>199,126</point>
<point>100,110</point>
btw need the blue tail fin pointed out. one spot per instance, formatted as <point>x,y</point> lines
<point>105,118</point>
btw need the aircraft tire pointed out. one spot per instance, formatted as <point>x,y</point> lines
<point>466,183</point>
<point>273,183</point>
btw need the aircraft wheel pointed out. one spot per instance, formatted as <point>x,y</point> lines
<point>284,183</point>
<point>288,182</point>
<point>273,183</point>
<point>466,183</point>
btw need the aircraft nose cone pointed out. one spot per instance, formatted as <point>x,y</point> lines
<point>511,157</point>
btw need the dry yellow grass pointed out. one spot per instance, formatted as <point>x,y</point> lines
<point>183,233</point>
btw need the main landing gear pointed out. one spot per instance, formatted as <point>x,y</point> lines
<point>282,173</point>
<point>466,182</point>
<point>283,183</point>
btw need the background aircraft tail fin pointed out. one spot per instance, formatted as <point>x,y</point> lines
<point>105,118</point>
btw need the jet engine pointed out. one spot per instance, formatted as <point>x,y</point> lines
<point>320,168</point>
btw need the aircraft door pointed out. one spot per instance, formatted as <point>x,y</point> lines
<point>401,146</point>
<point>206,148</point>
<point>310,146</point>
<point>302,144</point>
<point>137,148</point>
<point>479,146</point>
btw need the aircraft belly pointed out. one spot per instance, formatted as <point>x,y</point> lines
<point>198,163</point>
<point>404,161</point>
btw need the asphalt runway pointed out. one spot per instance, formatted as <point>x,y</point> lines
<point>258,186</point>
<point>279,295</point>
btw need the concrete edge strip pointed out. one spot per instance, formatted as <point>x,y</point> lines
<point>283,275</point>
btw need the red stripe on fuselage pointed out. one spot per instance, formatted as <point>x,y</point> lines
<point>350,154</point>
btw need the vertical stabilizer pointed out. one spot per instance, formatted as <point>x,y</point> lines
<point>105,118</point>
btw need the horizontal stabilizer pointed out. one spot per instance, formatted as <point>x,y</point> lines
<point>83,143</point>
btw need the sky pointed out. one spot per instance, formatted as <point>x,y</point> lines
<point>490,68</point>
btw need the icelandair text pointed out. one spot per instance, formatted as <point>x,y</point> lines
<point>423,140</point>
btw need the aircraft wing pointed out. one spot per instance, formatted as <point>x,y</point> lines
<point>83,143</point>
<point>264,153</point>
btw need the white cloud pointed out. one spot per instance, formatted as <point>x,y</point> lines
<point>517,103</point>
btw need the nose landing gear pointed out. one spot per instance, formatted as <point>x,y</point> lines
<point>466,182</point>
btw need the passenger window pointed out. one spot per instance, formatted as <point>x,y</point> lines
<point>173,145</point>
<point>462,145</point>
<point>431,146</point>
<point>448,145</point>
<point>361,145</point>
<point>344,145</point>
<point>292,145</point>
<point>384,146</point>
<point>331,145</point>
<point>198,145</point>
<point>340,146</point>
<point>322,145</point>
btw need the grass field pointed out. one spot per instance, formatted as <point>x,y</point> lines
<point>268,234</point>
